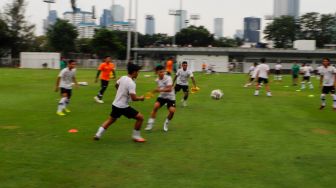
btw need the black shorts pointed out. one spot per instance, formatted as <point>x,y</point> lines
<point>306,78</point>
<point>67,91</point>
<point>179,87</point>
<point>277,72</point>
<point>263,80</point>
<point>129,112</point>
<point>251,79</point>
<point>104,83</point>
<point>295,75</point>
<point>328,89</point>
<point>162,101</point>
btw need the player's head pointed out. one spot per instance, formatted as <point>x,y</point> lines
<point>71,64</point>
<point>107,59</point>
<point>326,61</point>
<point>255,64</point>
<point>262,60</point>
<point>160,71</point>
<point>133,70</point>
<point>184,65</point>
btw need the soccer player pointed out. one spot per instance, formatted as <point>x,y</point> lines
<point>262,74</point>
<point>251,74</point>
<point>182,77</point>
<point>64,83</point>
<point>295,73</point>
<point>277,75</point>
<point>106,70</point>
<point>306,71</point>
<point>167,96</point>
<point>63,64</point>
<point>328,81</point>
<point>125,92</point>
<point>169,66</point>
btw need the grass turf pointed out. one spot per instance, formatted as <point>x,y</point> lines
<point>239,141</point>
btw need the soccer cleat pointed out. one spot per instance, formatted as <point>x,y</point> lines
<point>149,127</point>
<point>322,107</point>
<point>60,113</point>
<point>269,94</point>
<point>138,139</point>
<point>165,127</point>
<point>66,110</point>
<point>96,138</point>
<point>184,103</point>
<point>98,100</point>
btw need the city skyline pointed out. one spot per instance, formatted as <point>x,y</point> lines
<point>233,14</point>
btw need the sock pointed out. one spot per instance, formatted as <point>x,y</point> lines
<point>100,96</point>
<point>61,104</point>
<point>311,85</point>
<point>136,134</point>
<point>303,85</point>
<point>334,98</point>
<point>167,121</point>
<point>100,131</point>
<point>256,92</point>
<point>323,99</point>
<point>151,120</point>
<point>67,101</point>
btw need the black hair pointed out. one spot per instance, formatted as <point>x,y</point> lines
<point>325,58</point>
<point>106,56</point>
<point>184,62</point>
<point>71,61</point>
<point>159,67</point>
<point>263,60</point>
<point>131,68</point>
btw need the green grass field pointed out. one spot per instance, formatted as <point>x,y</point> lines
<point>239,141</point>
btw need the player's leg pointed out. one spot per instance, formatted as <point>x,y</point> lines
<point>325,91</point>
<point>114,115</point>
<point>137,128</point>
<point>104,85</point>
<point>67,102</point>
<point>151,120</point>
<point>171,110</point>
<point>303,83</point>
<point>186,95</point>
<point>310,83</point>
<point>256,93</point>
<point>62,102</point>
<point>332,93</point>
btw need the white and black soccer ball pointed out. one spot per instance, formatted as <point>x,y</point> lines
<point>216,94</point>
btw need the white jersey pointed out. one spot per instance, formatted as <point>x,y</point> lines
<point>183,76</point>
<point>328,75</point>
<point>262,70</point>
<point>252,71</point>
<point>126,87</point>
<point>166,81</point>
<point>319,68</point>
<point>306,71</point>
<point>278,67</point>
<point>67,77</point>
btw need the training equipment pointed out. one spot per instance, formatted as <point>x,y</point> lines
<point>195,89</point>
<point>60,113</point>
<point>83,83</point>
<point>149,95</point>
<point>216,94</point>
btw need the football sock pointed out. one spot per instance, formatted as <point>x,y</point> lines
<point>256,92</point>
<point>151,120</point>
<point>167,121</point>
<point>136,134</point>
<point>100,131</point>
<point>311,85</point>
<point>61,104</point>
<point>185,97</point>
<point>323,99</point>
<point>303,85</point>
<point>334,98</point>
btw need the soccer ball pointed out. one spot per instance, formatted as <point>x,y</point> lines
<point>216,94</point>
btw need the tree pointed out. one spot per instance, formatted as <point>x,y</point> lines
<point>283,31</point>
<point>154,40</point>
<point>20,30</point>
<point>106,42</point>
<point>228,42</point>
<point>195,36</point>
<point>5,38</point>
<point>62,37</point>
<point>84,46</point>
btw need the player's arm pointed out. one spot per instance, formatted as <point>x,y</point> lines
<point>134,97</point>
<point>97,76</point>
<point>193,81</point>
<point>168,88</point>
<point>75,81</point>
<point>57,83</point>
<point>321,80</point>
<point>175,78</point>
<point>114,73</point>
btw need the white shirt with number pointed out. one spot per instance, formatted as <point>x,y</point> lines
<point>262,70</point>
<point>328,75</point>
<point>306,70</point>
<point>278,67</point>
<point>67,77</point>
<point>126,87</point>
<point>166,81</point>
<point>183,76</point>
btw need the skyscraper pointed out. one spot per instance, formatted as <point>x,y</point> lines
<point>218,27</point>
<point>106,18</point>
<point>51,20</point>
<point>252,27</point>
<point>181,20</point>
<point>118,13</point>
<point>150,25</point>
<point>286,8</point>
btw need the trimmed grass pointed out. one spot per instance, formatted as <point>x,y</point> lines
<point>239,141</point>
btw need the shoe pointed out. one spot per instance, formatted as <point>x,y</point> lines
<point>60,113</point>
<point>322,107</point>
<point>269,95</point>
<point>96,138</point>
<point>138,139</point>
<point>184,103</point>
<point>149,127</point>
<point>165,127</point>
<point>67,110</point>
<point>98,100</point>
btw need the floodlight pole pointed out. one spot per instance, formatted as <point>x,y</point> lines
<point>129,33</point>
<point>136,31</point>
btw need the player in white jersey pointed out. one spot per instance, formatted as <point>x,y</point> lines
<point>262,75</point>
<point>64,83</point>
<point>181,79</point>
<point>306,71</point>
<point>251,74</point>
<point>327,82</point>
<point>167,96</point>
<point>277,69</point>
<point>126,92</point>
<point>318,72</point>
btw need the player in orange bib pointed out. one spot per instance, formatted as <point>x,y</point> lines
<point>169,66</point>
<point>106,70</point>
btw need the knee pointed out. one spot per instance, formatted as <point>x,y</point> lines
<point>140,117</point>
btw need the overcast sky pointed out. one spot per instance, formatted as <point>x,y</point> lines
<point>233,11</point>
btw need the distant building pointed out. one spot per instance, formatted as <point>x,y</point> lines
<point>118,13</point>
<point>51,20</point>
<point>87,30</point>
<point>106,18</point>
<point>121,26</point>
<point>218,27</point>
<point>239,34</point>
<point>150,25</point>
<point>286,8</point>
<point>181,20</point>
<point>252,27</point>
